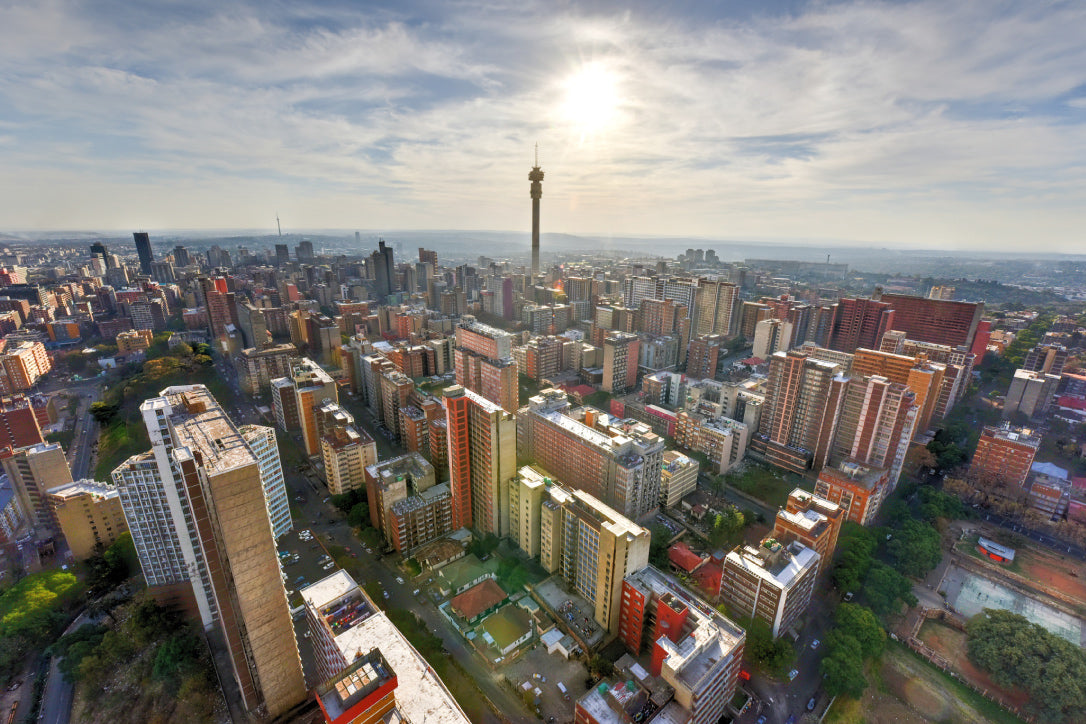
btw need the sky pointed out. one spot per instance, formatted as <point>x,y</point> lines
<point>958,125</point>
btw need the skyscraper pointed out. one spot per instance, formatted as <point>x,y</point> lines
<point>99,249</point>
<point>876,424</point>
<point>197,505</point>
<point>715,305</point>
<point>282,255</point>
<point>484,363</point>
<point>536,177</point>
<point>482,450</point>
<point>384,270</point>
<point>143,248</point>
<point>181,256</point>
<point>859,323</point>
<point>935,320</point>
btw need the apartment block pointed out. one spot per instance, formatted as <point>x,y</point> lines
<point>859,322</point>
<point>678,478</point>
<point>703,356</point>
<point>1004,454</point>
<point>876,424</point>
<point>296,397</point>
<point>1030,394</point>
<point>620,356</point>
<point>935,320</point>
<point>543,357</point>
<point>262,442</point>
<point>813,521</point>
<point>419,519</point>
<point>924,378</point>
<point>258,366</point>
<point>583,449</point>
<point>368,669</point>
<point>20,422</point>
<point>89,515</point>
<point>771,582</point>
<point>694,648</point>
<point>714,309</point>
<point>197,508</point>
<point>390,481</point>
<point>346,452</point>
<point>484,363</point>
<point>799,417</point>
<point>772,336</point>
<point>859,489</point>
<point>22,364</point>
<point>134,340</point>
<point>31,471</point>
<point>723,440</point>
<point>482,455</point>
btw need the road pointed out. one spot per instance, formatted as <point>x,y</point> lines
<point>56,700</point>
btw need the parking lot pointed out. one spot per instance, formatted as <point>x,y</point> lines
<point>576,614</point>
<point>544,671</point>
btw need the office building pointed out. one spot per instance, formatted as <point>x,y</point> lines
<point>482,454</point>
<point>678,478</point>
<point>31,471</point>
<point>370,672</point>
<point>22,364</point>
<point>181,256</point>
<point>799,417</point>
<point>771,582</point>
<point>258,366</point>
<point>813,521</point>
<point>620,357</point>
<point>1004,455</point>
<point>621,469</point>
<point>485,365</point>
<point>143,250</point>
<point>282,255</point>
<point>383,264</point>
<point>859,322</point>
<point>1048,359</point>
<point>857,488</point>
<point>89,515</point>
<point>694,648</point>
<point>304,252</point>
<point>197,508</point>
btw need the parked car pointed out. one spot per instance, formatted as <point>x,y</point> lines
<point>811,703</point>
<point>814,644</point>
<point>793,674</point>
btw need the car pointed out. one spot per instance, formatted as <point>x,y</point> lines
<point>744,675</point>
<point>793,674</point>
<point>811,703</point>
<point>329,565</point>
<point>761,719</point>
<point>848,596</point>
<point>385,593</point>
<point>814,644</point>
<point>299,499</point>
<point>399,580</point>
<point>299,579</point>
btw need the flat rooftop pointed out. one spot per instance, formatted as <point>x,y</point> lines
<point>202,426</point>
<point>781,571</point>
<point>83,487</point>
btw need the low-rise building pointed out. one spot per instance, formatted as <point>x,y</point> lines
<point>134,340</point>
<point>89,515</point>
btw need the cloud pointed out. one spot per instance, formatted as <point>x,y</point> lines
<point>862,119</point>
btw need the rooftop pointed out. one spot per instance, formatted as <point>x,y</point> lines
<point>84,487</point>
<point>477,599</point>
<point>773,562</point>
<point>203,427</point>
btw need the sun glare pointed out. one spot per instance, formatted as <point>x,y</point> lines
<point>591,101</point>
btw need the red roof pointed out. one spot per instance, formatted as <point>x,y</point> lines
<point>581,390</point>
<point>1079,483</point>
<point>682,557</point>
<point>1071,403</point>
<point>753,361</point>
<point>708,578</point>
<point>477,599</point>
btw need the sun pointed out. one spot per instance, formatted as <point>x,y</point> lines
<point>591,99</point>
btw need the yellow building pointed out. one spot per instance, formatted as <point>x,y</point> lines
<point>89,514</point>
<point>134,340</point>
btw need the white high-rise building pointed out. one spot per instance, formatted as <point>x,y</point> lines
<point>261,441</point>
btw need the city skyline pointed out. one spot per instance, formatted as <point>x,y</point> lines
<point>891,123</point>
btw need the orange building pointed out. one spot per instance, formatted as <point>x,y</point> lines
<point>21,365</point>
<point>813,521</point>
<point>1005,454</point>
<point>924,378</point>
<point>858,489</point>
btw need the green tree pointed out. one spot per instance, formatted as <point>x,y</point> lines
<point>359,516</point>
<point>884,587</point>
<point>103,413</point>
<point>843,670</point>
<point>915,548</point>
<point>658,538</point>
<point>774,655</point>
<point>855,546</point>
<point>861,624</point>
<point>1019,653</point>
<point>600,666</point>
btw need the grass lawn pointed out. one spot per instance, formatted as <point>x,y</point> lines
<point>767,484</point>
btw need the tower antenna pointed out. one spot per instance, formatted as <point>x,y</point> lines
<point>537,154</point>
<point>277,226</point>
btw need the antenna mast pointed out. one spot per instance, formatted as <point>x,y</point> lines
<point>277,226</point>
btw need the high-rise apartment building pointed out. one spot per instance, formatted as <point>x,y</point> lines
<point>384,270</point>
<point>772,582</point>
<point>678,478</point>
<point>484,363</point>
<point>703,356</point>
<point>89,515</point>
<point>694,648</point>
<point>935,320</point>
<point>859,322</point>
<point>1004,454</point>
<point>282,255</point>
<point>482,454</point>
<point>1046,358</point>
<point>924,378</point>
<point>20,424</point>
<point>295,399</point>
<point>262,442</point>
<point>620,355</point>
<point>772,336</point>
<point>1030,394</point>
<point>811,520</point>
<point>197,506</point>
<point>543,357</point>
<point>799,417</point>
<point>876,424</point>
<point>31,471</point>
<point>715,306</point>
<point>304,252</point>
<point>143,250</point>
<point>621,469</point>
<point>22,364</point>
<point>258,366</point>
<point>590,544</point>
<point>346,451</point>
<point>368,669</point>
<point>858,488</point>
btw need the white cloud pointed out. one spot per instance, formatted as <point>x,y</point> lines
<point>863,120</point>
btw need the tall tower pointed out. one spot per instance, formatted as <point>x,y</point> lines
<point>143,249</point>
<point>536,177</point>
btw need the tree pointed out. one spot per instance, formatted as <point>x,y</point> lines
<point>860,623</point>
<point>658,538</point>
<point>915,548</point>
<point>103,413</point>
<point>843,669</point>
<point>726,527</point>
<point>359,515</point>
<point>883,587</point>
<point>600,666</point>
<point>1019,653</point>
<point>855,546</point>
<point>775,655</point>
